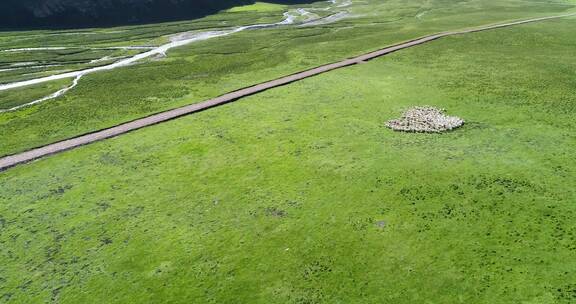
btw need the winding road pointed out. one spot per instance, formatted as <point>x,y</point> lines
<point>24,157</point>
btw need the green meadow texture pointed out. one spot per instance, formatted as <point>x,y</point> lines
<point>300,194</point>
<point>210,68</point>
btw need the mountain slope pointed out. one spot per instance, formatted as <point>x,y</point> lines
<point>87,13</point>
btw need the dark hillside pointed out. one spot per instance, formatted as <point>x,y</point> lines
<point>19,14</point>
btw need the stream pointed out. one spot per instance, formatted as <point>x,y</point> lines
<point>290,18</point>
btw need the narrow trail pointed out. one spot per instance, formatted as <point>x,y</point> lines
<point>24,157</point>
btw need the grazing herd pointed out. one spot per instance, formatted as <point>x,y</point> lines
<point>425,119</point>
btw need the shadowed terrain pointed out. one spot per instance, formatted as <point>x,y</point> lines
<point>15,14</point>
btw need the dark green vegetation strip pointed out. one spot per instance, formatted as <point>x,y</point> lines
<point>301,195</point>
<point>207,69</point>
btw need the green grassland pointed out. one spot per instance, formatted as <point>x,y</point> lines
<point>259,7</point>
<point>87,45</point>
<point>45,63</point>
<point>210,68</point>
<point>301,195</point>
<point>128,35</point>
<point>14,98</point>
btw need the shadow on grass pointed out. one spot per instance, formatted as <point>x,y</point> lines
<point>64,14</point>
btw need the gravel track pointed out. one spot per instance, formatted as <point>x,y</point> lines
<point>36,153</point>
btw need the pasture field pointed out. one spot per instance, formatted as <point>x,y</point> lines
<point>210,68</point>
<point>300,194</point>
<point>13,98</point>
<point>259,7</point>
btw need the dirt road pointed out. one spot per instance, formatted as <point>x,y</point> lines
<point>20,158</point>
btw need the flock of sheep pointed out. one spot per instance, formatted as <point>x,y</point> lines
<point>425,119</point>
